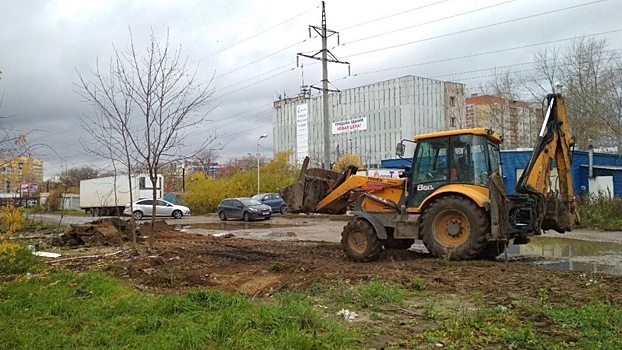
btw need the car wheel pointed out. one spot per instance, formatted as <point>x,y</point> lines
<point>283,209</point>
<point>246,216</point>
<point>267,218</point>
<point>222,216</point>
<point>177,214</point>
<point>138,215</point>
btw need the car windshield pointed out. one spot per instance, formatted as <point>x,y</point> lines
<point>249,201</point>
<point>258,197</point>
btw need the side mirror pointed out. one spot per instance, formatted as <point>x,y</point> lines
<point>399,149</point>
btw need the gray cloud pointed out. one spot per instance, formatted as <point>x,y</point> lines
<point>44,43</point>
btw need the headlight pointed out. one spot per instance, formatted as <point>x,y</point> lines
<point>252,209</point>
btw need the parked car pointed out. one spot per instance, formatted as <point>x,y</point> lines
<point>274,200</point>
<point>143,207</point>
<point>243,208</point>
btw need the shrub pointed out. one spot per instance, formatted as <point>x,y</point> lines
<point>16,259</point>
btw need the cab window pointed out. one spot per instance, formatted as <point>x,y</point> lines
<point>431,161</point>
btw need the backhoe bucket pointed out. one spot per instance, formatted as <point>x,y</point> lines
<point>311,187</point>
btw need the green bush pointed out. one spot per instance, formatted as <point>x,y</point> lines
<point>601,212</point>
<point>16,259</point>
<point>204,194</point>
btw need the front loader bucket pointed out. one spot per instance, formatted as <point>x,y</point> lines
<point>311,187</point>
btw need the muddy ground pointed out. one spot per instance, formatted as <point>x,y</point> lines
<point>293,253</point>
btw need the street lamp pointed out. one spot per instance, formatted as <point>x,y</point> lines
<point>260,137</point>
<point>183,176</point>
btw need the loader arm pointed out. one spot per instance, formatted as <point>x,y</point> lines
<point>329,192</point>
<point>554,209</point>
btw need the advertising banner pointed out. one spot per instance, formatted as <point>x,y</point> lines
<point>350,125</point>
<point>302,132</point>
<point>28,187</point>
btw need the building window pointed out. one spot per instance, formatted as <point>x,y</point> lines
<point>452,122</point>
<point>452,100</point>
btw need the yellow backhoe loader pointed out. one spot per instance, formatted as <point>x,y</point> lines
<point>452,198</point>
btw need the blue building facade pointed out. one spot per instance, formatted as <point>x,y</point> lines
<point>512,160</point>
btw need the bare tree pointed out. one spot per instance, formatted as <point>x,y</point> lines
<point>500,93</point>
<point>586,73</point>
<point>547,73</point>
<point>148,104</point>
<point>614,106</point>
<point>15,151</point>
<point>587,79</point>
<point>73,176</point>
<point>247,162</point>
<point>205,160</point>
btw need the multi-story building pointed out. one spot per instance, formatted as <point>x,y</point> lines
<point>367,121</point>
<point>20,170</point>
<point>514,121</point>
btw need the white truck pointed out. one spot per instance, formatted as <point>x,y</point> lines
<point>109,195</point>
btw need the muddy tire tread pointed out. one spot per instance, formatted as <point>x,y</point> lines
<point>374,244</point>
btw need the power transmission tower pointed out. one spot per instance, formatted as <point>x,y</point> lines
<point>325,53</point>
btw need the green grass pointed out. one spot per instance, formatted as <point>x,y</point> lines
<point>529,326</point>
<point>60,311</point>
<point>45,308</point>
<point>602,213</point>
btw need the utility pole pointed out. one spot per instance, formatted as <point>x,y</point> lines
<point>324,34</point>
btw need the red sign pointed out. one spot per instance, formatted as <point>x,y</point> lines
<point>28,187</point>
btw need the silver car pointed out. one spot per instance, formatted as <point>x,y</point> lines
<point>143,207</point>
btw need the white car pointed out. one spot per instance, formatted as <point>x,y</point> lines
<point>143,207</point>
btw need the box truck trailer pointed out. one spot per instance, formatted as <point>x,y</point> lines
<point>109,195</point>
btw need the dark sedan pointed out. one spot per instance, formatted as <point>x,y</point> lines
<point>274,200</point>
<point>243,208</point>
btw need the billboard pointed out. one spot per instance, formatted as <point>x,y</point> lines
<point>350,125</point>
<point>28,187</point>
<point>302,132</point>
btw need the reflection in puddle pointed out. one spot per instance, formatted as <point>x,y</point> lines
<point>572,254</point>
<point>235,225</point>
<point>247,229</point>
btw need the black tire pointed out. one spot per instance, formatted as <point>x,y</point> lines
<point>138,215</point>
<point>283,209</point>
<point>454,228</point>
<point>222,216</point>
<point>360,242</point>
<point>392,243</point>
<point>246,216</point>
<point>177,214</point>
<point>267,217</point>
<point>493,249</point>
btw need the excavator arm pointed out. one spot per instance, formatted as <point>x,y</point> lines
<point>554,209</point>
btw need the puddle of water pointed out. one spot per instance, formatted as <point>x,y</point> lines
<point>572,254</point>
<point>581,266</point>
<point>234,225</point>
<point>271,234</point>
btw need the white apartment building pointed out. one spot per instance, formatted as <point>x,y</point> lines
<point>367,121</point>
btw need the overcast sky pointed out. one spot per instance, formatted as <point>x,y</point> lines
<point>250,48</point>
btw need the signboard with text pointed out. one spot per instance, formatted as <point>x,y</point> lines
<point>355,124</point>
<point>302,132</point>
<point>28,187</point>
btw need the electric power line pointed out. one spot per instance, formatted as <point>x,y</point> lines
<point>429,22</point>
<point>475,28</point>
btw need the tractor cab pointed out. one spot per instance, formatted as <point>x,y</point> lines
<point>452,157</point>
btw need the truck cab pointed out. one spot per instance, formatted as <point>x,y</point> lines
<point>465,157</point>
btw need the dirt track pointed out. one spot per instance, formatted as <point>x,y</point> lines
<point>293,254</point>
